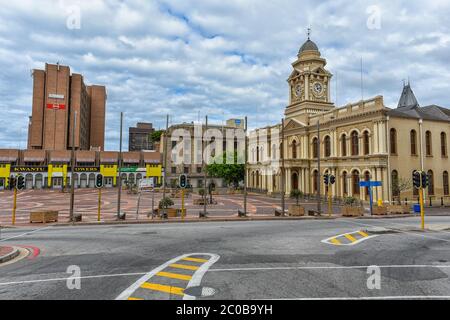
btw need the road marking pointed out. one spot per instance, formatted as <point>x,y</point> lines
<point>183,266</point>
<point>26,233</point>
<point>335,241</point>
<point>194,260</point>
<point>195,280</point>
<point>174,275</point>
<point>131,298</point>
<point>349,235</point>
<point>163,288</point>
<point>363,234</point>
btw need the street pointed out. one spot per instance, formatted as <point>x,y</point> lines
<point>231,260</point>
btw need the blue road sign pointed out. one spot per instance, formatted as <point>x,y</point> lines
<point>370,184</point>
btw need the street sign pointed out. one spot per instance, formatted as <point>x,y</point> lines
<point>370,184</point>
<point>147,183</point>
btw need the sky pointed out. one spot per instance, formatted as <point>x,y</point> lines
<point>224,59</point>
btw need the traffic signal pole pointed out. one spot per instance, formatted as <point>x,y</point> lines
<point>72,169</point>
<point>422,212</point>
<point>14,207</point>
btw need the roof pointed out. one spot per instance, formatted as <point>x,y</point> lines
<point>407,99</point>
<point>432,112</point>
<point>308,46</point>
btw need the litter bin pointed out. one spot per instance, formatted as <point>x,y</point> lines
<point>416,208</point>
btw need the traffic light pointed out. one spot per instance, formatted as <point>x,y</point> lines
<point>20,182</point>
<point>12,182</point>
<point>183,181</point>
<point>99,181</point>
<point>417,179</point>
<point>332,179</point>
<point>425,180</point>
<point>326,179</point>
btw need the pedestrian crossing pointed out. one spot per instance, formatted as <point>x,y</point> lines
<point>349,239</point>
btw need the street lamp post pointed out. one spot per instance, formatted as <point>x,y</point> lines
<point>72,169</point>
<point>119,179</point>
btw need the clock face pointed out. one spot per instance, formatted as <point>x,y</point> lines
<point>318,88</point>
<point>298,90</point>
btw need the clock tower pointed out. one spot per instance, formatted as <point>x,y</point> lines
<point>309,84</point>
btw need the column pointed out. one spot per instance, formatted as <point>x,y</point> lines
<point>375,138</point>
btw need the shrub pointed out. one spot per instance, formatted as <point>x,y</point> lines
<point>296,194</point>
<point>349,201</point>
<point>165,203</point>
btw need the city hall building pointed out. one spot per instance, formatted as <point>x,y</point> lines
<point>360,141</point>
<point>51,169</point>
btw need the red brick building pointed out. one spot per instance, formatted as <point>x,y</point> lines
<point>57,94</point>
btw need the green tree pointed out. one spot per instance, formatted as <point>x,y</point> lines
<point>156,135</point>
<point>165,203</point>
<point>232,173</point>
<point>296,194</point>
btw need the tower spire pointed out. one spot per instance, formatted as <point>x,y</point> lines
<point>309,33</point>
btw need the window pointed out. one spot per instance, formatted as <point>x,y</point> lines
<point>430,183</point>
<point>355,182</point>
<point>445,183</point>
<point>443,144</point>
<point>428,143</point>
<point>173,170</point>
<point>366,178</point>
<point>274,151</point>
<point>344,145</point>
<point>413,138</point>
<point>315,177</point>
<point>344,183</point>
<point>294,149</point>
<point>199,169</point>
<point>186,170</point>
<point>257,154</point>
<point>315,148</point>
<point>394,182</point>
<point>327,146</point>
<point>393,141</point>
<point>366,142</point>
<point>355,143</point>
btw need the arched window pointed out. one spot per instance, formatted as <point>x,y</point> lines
<point>315,177</point>
<point>257,154</point>
<point>315,148</point>
<point>393,141</point>
<point>430,183</point>
<point>428,143</point>
<point>355,182</point>
<point>394,183</point>
<point>445,183</point>
<point>327,143</point>
<point>355,143</point>
<point>344,183</point>
<point>366,178</point>
<point>294,149</point>
<point>443,144</point>
<point>366,140</point>
<point>344,145</point>
<point>413,138</point>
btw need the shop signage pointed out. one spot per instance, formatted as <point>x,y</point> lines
<point>86,169</point>
<point>28,169</point>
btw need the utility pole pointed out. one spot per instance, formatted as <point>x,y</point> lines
<point>283,174</point>
<point>319,208</point>
<point>72,166</point>
<point>204,166</point>
<point>165,166</point>
<point>119,179</point>
<point>245,166</point>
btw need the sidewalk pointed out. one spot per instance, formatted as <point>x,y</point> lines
<point>8,253</point>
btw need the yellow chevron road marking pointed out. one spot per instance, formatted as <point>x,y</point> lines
<point>163,288</point>
<point>131,298</point>
<point>194,259</point>
<point>363,234</point>
<point>350,237</point>
<point>174,275</point>
<point>183,266</point>
<point>335,241</point>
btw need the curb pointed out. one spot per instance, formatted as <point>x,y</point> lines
<point>10,256</point>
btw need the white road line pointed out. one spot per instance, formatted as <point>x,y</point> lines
<point>130,290</point>
<point>397,230</point>
<point>64,279</point>
<point>326,267</point>
<point>198,275</point>
<point>327,241</point>
<point>24,234</point>
<point>368,298</point>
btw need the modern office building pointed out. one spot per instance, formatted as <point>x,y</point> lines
<point>139,137</point>
<point>57,95</point>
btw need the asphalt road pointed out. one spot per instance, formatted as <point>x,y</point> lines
<point>237,260</point>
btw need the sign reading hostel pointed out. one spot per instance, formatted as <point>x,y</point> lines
<point>28,169</point>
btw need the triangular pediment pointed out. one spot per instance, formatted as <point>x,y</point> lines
<point>294,124</point>
<point>320,70</point>
<point>294,74</point>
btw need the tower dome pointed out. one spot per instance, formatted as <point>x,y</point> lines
<point>308,46</point>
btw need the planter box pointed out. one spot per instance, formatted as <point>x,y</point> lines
<point>44,216</point>
<point>379,211</point>
<point>347,211</point>
<point>171,212</point>
<point>198,202</point>
<point>398,209</point>
<point>296,210</point>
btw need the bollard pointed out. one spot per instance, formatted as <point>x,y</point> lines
<point>431,204</point>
